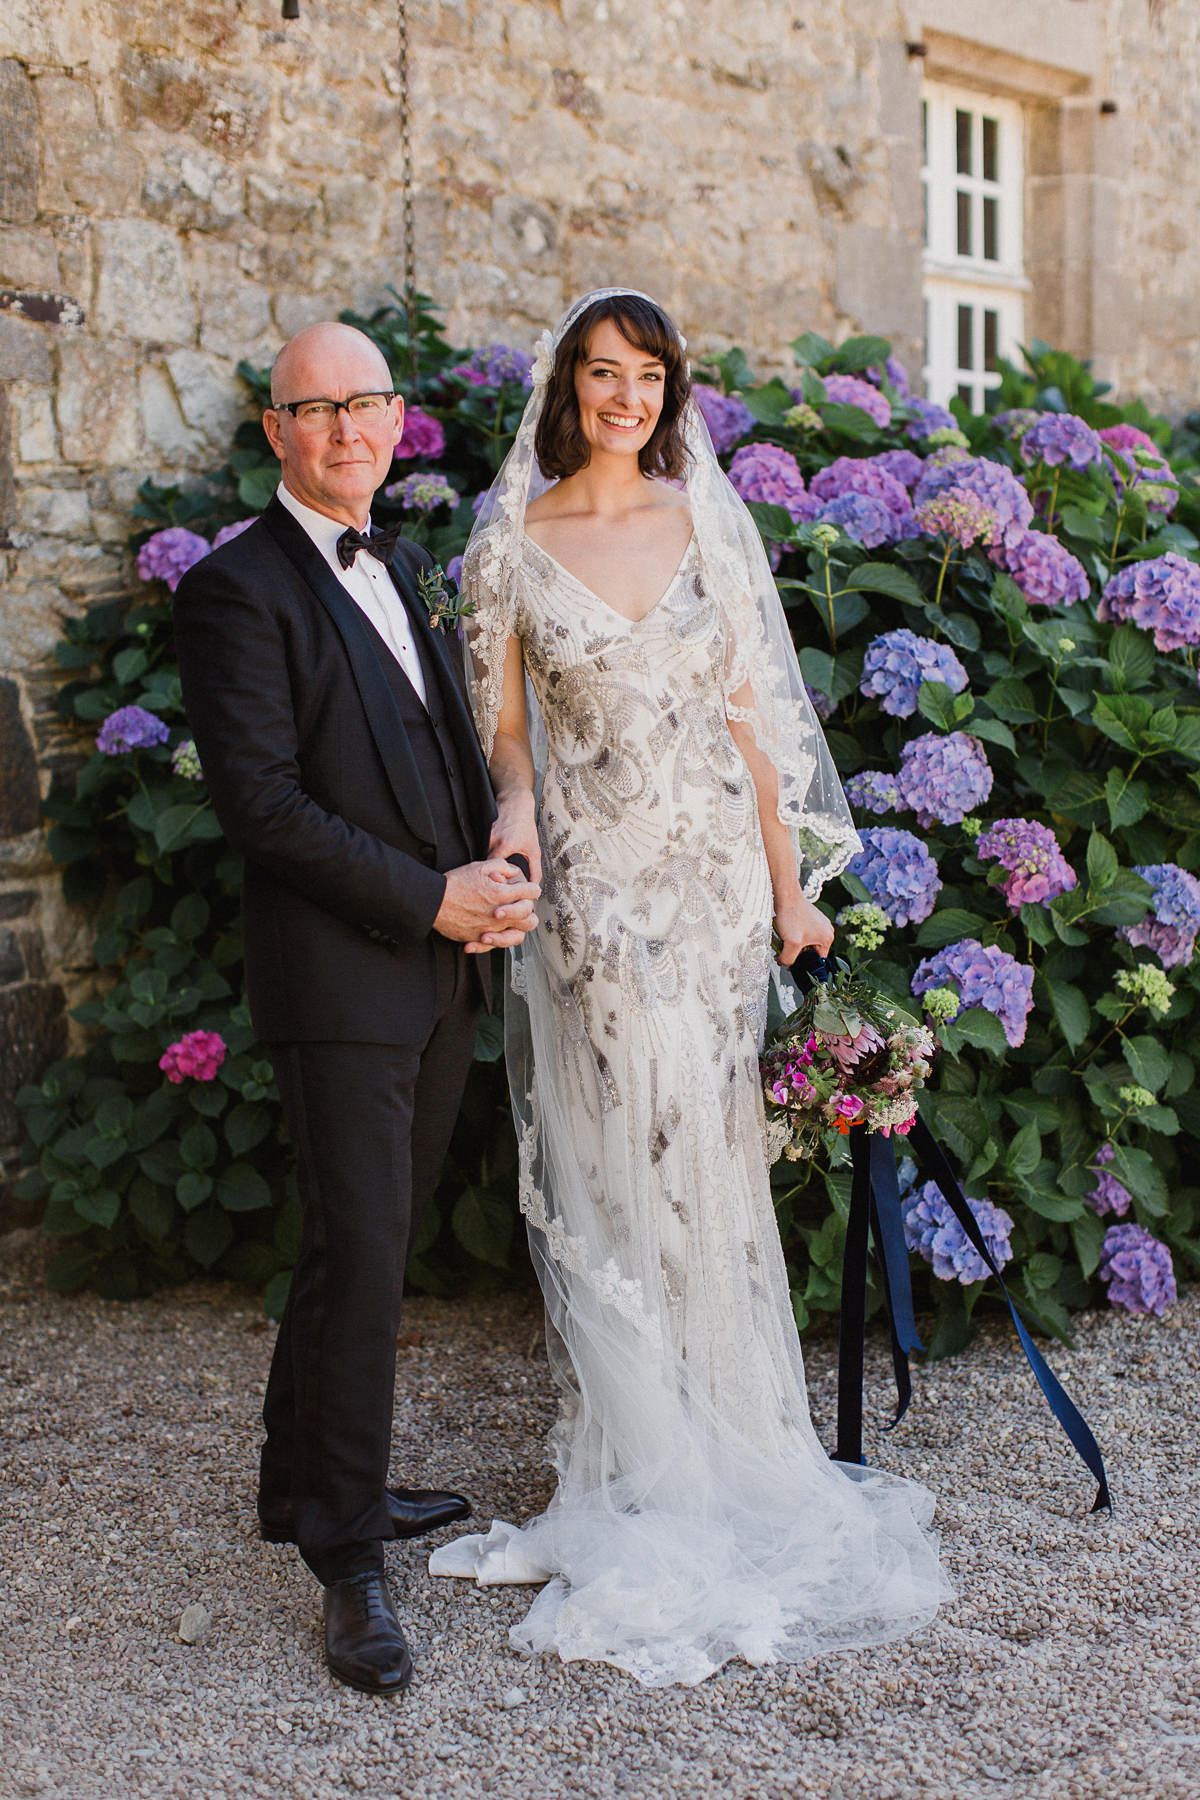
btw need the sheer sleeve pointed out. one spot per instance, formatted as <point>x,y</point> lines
<point>489,588</point>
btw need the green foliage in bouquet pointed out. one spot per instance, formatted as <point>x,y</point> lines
<point>998,617</point>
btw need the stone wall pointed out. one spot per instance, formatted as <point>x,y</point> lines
<point>184,185</point>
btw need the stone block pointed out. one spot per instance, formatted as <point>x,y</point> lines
<point>286,208</point>
<point>53,511</point>
<point>18,134</point>
<point>524,232</point>
<point>83,164</point>
<point>24,350</point>
<point>35,434</point>
<point>235,311</point>
<point>141,288</point>
<point>878,280</point>
<point>193,190</point>
<point>211,398</point>
<point>223,111</point>
<point>33,1034</point>
<point>20,795</point>
<point>164,427</point>
<point>354,209</point>
<point>28,259</point>
<point>97,402</point>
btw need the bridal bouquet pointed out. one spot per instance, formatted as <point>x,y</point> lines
<point>847,1057</point>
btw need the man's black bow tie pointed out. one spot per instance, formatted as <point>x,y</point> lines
<point>380,544</point>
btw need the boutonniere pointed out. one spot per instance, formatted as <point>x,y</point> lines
<point>441,598</point>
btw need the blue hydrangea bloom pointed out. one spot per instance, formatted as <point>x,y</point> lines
<point>130,728</point>
<point>944,777</point>
<point>991,481</point>
<point>1056,438</point>
<point>867,521</point>
<point>870,475</point>
<point>727,417</point>
<point>898,873</point>
<point>931,1229</point>
<point>1161,595</point>
<point>1044,570</point>
<point>987,977</point>
<point>1171,926</point>
<point>896,664</point>
<point>929,417</point>
<point>1137,1270</point>
<point>874,791</point>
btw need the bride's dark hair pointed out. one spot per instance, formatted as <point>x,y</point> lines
<point>560,446</point>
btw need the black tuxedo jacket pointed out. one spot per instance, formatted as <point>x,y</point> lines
<point>314,781</point>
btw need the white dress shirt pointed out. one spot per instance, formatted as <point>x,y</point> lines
<point>368,584</point>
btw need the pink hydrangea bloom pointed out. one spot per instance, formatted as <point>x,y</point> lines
<point>422,435</point>
<point>198,1054</point>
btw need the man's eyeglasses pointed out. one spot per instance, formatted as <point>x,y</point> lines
<point>319,415</point>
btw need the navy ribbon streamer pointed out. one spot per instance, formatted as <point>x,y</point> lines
<point>875,1212</point>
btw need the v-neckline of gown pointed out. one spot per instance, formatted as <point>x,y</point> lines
<point>607,604</point>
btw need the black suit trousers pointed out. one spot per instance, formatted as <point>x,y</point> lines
<point>371,1124</point>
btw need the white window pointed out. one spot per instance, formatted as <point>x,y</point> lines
<point>973,181</point>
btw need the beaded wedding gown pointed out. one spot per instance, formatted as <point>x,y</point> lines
<point>696,1516</point>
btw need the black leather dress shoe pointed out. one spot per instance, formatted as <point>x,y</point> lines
<point>364,1645</point>
<point>413,1512</point>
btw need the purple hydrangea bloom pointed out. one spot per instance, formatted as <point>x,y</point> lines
<point>898,662</point>
<point>1056,438</point>
<point>898,873</point>
<point>989,977</point>
<point>454,568</point>
<point>228,532</point>
<point>821,704</point>
<point>169,554</point>
<point>1109,1195</point>
<point>959,514</point>
<point>874,791</point>
<point>997,486</point>
<point>1175,906</point>
<point>1161,595</point>
<point>1030,852</point>
<point>867,521</point>
<point>496,364</point>
<point>905,465</point>
<point>1150,470</point>
<point>727,417</point>
<point>422,492</point>
<point>1016,421</point>
<point>1137,1270</point>
<point>851,390</point>
<point>943,778</point>
<point>422,436</point>
<point>929,417</point>
<point>867,475</point>
<point>895,373</point>
<point>771,475</point>
<point>1044,570</point>
<point>130,728</point>
<point>931,1229</point>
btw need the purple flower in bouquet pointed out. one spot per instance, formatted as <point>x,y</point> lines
<point>771,475</point>
<point>898,662</point>
<point>997,486</point>
<point>1056,438</point>
<point>197,1053</point>
<point>422,435</point>
<point>1175,905</point>
<point>496,364</point>
<point>898,873</point>
<point>1109,1195</point>
<point>1161,595</point>
<point>957,514</point>
<point>850,390</point>
<point>905,465</point>
<point>727,417</point>
<point>874,791</point>
<point>169,554</point>
<point>1016,421</point>
<point>1137,1270</point>
<point>130,728</point>
<point>1037,868</point>
<point>1150,471</point>
<point>929,417</point>
<point>931,1229</point>
<point>865,520</point>
<point>987,977</point>
<point>228,532</point>
<point>944,777</point>
<point>423,492</point>
<point>1044,570</point>
<point>868,475</point>
<point>895,374</point>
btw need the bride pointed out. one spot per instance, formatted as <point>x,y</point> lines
<point>657,762</point>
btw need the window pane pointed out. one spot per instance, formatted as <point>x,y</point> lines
<point>967,397</point>
<point>966,353</point>
<point>962,137</point>
<point>964,224</point>
<point>991,339</point>
<point>991,150</point>
<point>991,229</point>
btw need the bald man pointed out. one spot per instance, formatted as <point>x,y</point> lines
<point>342,762</point>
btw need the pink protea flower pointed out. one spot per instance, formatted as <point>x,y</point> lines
<point>849,1052</point>
<point>198,1054</point>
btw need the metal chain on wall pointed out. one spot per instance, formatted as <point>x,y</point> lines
<point>291,10</point>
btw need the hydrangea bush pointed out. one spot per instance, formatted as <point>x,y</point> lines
<point>998,616</point>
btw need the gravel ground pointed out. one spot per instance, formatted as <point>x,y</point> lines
<point>1064,1670</point>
